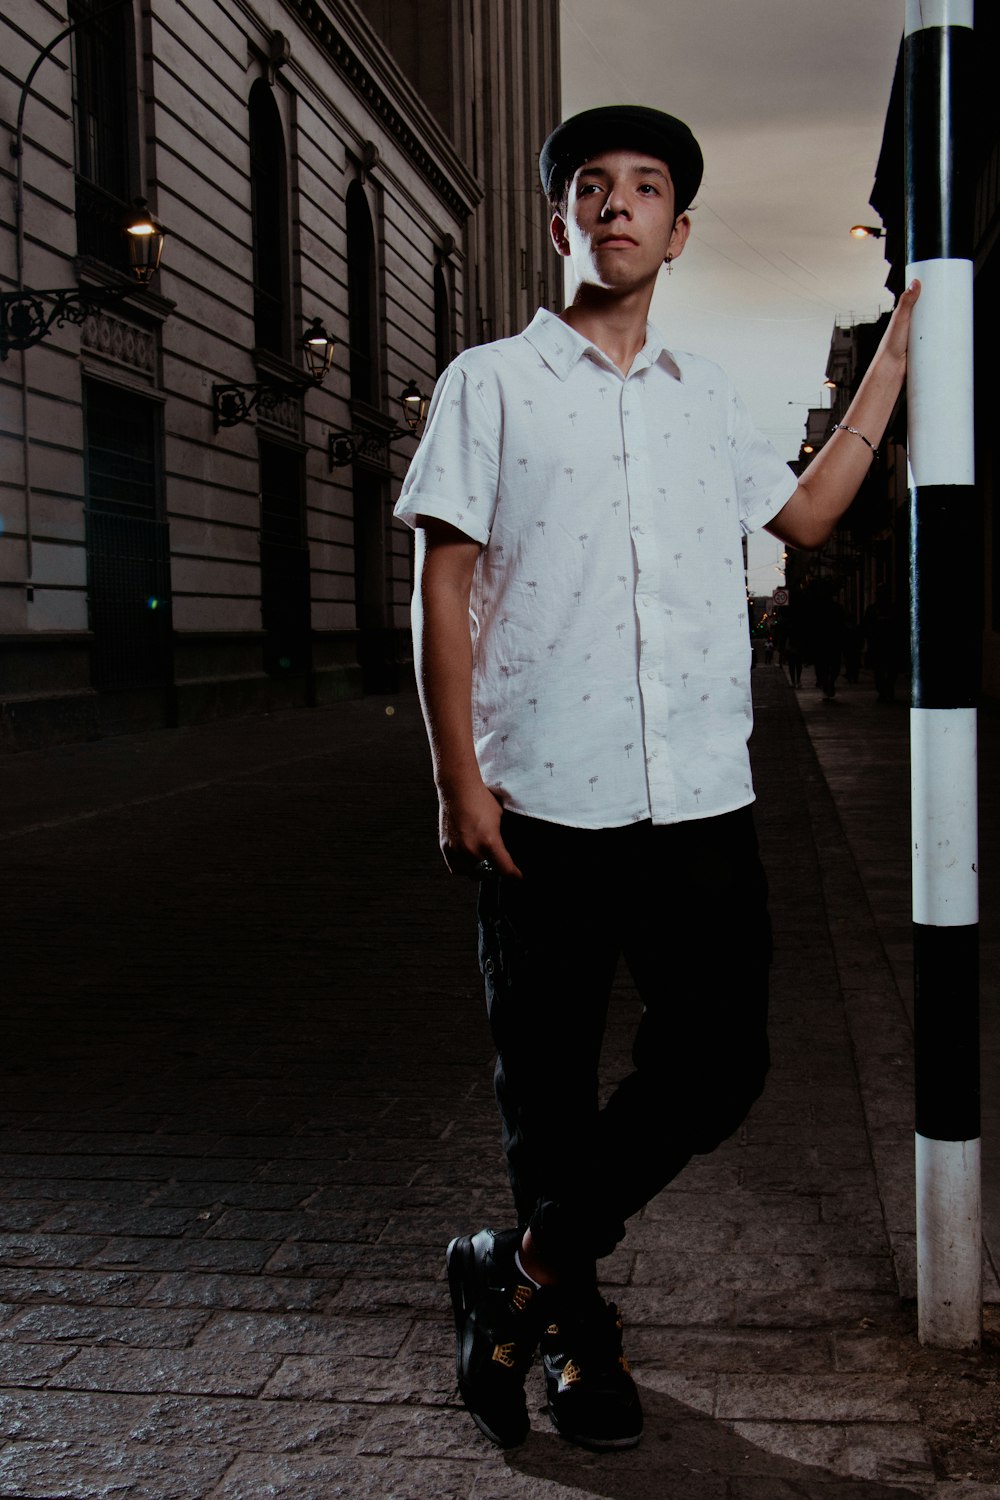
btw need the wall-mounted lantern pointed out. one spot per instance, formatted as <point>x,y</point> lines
<point>145,242</point>
<point>345,447</point>
<point>26,316</point>
<point>233,403</point>
<point>25,319</point>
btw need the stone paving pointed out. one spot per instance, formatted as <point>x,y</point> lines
<point>863,751</point>
<point>247,1101</point>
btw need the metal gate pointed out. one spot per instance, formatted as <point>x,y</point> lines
<point>129,566</point>
<point>128,548</point>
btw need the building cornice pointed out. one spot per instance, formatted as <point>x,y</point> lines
<point>364,64</point>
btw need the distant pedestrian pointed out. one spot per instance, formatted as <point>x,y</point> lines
<point>882,632</point>
<point>788,634</point>
<point>827,622</point>
<point>580,498</point>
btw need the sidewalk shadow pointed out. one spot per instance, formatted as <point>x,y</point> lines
<point>687,1456</point>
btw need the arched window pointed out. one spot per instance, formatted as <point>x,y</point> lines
<point>269,211</point>
<point>443,339</point>
<point>362,298</point>
<point>104,111</point>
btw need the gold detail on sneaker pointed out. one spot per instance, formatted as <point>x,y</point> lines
<point>503,1354</point>
<point>521,1296</point>
<point>571,1373</point>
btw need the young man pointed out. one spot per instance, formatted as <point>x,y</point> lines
<point>579,498</point>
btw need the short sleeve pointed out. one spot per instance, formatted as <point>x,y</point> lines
<point>455,471</point>
<point>764,482</point>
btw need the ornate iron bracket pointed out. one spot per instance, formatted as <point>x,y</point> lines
<point>362,445</point>
<point>25,319</point>
<point>233,403</point>
<point>366,445</point>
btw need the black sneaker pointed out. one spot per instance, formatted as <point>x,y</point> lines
<point>592,1396</point>
<point>499,1316</point>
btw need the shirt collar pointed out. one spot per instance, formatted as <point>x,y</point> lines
<point>561,347</point>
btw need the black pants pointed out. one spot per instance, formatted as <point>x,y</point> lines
<point>686,904</point>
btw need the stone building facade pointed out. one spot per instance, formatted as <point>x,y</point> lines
<point>367,164</point>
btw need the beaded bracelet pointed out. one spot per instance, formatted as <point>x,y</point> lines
<point>842,427</point>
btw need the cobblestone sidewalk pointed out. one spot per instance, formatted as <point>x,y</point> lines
<point>247,1102</point>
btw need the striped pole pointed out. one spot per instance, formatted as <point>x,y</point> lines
<point>945,550</point>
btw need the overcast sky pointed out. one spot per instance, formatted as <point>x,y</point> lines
<point>788,100</point>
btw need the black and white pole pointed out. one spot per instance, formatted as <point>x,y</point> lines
<point>945,552</point>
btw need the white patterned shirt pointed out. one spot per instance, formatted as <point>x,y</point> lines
<point>611,650</point>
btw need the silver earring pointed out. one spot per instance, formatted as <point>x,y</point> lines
<point>670,265</point>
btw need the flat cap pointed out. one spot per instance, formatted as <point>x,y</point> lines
<point>617,127</point>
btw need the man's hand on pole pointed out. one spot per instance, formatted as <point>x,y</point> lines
<point>896,336</point>
<point>831,481</point>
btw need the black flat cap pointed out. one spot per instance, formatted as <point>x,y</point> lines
<point>617,127</point>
